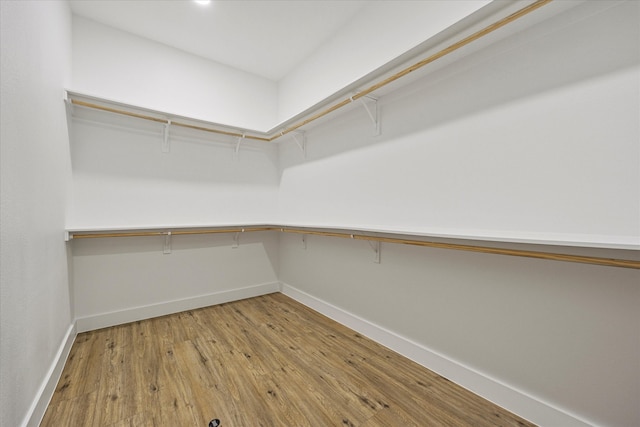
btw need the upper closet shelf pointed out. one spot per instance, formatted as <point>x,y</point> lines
<point>76,99</point>
<point>376,236</point>
<point>602,242</point>
<point>364,94</point>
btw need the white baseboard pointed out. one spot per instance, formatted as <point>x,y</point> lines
<point>503,395</point>
<point>519,403</point>
<point>43,397</point>
<point>105,320</point>
<point>48,386</point>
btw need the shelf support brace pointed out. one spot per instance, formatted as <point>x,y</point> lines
<point>373,115</point>
<point>237,149</point>
<point>376,246</point>
<point>165,142</point>
<point>167,243</point>
<point>68,104</point>
<point>301,140</point>
<point>236,239</point>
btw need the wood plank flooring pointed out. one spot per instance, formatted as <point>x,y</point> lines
<point>265,361</point>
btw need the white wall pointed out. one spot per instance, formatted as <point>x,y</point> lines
<point>533,138</point>
<point>34,303</point>
<point>121,177</point>
<point>119,66</point>
<point>379,33</point>
<point>565,334</point>
<point>119,280</point>
<point>525,139</point>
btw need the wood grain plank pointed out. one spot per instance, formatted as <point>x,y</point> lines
<point>265,361</point>
<point>79,375</point>
<point>77,411</point>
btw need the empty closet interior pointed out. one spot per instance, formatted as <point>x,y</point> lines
<point>467,195</point>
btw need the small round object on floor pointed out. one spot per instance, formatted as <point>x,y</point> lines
<point>214,422</point>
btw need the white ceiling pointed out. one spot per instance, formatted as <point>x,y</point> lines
<point>264,37</point>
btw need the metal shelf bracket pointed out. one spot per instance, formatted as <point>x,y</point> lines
<point>300,139</point>
<point>237,149</point>
<point>373,113</point>
<point>167,243</point>
<point>376,246</point>
<point>68,104</point>
<point>236,239</point>
<point>165,142</point>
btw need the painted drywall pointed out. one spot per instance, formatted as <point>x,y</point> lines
<point>117,280</point>
<point>565,334</point>
<point>379,33</point>
<point>573,320</point>
<point>122,177</point>
<point>532,138</point>
<point>35,301</point>
<point>119,66</point>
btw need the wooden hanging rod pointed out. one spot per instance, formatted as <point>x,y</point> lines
<point>80,235</point>
<point>452,48</point>
<point>165,121</point>
<point>609,262</point>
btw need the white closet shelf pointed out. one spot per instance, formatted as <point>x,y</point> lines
<point>159,230</point>
<point>491,245</point>
<point>77,99</point>
<point>305,118</point>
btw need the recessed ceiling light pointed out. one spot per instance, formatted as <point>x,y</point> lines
<point>203,2</point>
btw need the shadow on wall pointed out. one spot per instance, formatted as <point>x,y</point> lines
<point>114,274</point>
<point>261,242</point>
<point>132,245</point>
<point>110,145</point>
<point>574,46</point>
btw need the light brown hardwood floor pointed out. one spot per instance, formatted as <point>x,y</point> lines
<point>265,361</point>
